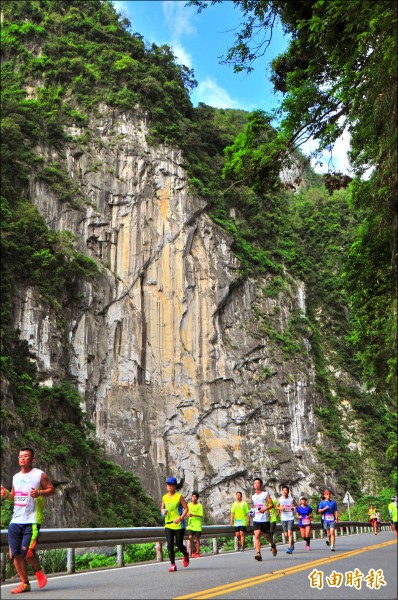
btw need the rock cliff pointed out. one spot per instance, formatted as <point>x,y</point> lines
<point>180,361</point>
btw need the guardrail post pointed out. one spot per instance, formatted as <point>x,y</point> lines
<point>120,556</point>
<point>215,546</point>
<point>70,561</point>
<point>314,534</point>
<point>294,537</point>
<point>188,547</point>
<point>159,551</point>
<point>236,544</point>
<point>321,532</point>
<point>3,566</point>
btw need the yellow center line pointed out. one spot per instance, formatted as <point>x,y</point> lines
<point>238,585</point>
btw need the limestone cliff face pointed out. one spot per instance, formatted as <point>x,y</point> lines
<point>169,348</point>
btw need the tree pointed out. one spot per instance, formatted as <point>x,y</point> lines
<point>340,73</point>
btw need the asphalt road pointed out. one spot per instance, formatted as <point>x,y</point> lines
<point>363,566</point>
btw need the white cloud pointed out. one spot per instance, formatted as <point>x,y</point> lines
<point>178,18</point>
<point>121,6</point>
<point>178,21</point>
<point>209,92</point>
<point>182,55</point>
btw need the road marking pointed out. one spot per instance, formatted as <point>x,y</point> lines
<point>238,585</point>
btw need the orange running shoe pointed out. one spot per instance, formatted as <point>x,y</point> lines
<point>41,579</point>
<point>24,587</point>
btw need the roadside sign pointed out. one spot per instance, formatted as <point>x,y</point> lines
<point>348,499</point>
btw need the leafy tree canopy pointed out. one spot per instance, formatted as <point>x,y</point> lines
<point>339,73</point>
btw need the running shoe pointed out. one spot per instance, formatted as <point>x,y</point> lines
<point>332,548</point>
<point>172,568</point>
<point>24,587</point>
<point>274,551</point>
<point>327,543</point>
<point>197,554</point>
<point>258,557</point>
<point>41,579</point>
<point>293,547</point>
<point>289,551</point>
<point>307,548</point>
<point>185,561</point>
<point>242,550</point>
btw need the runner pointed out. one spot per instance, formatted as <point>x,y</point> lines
<point>322,516</point>
<point>273,517</point>
<point>195,522</point>
<point>240,518</point>
<point>328,508</point>
<point>262,503</point>
<point>372,518</point>
<point>378,519</point>
<point>305,513</point>
<point>29,488</point>
<point>286,505</point>
<point>171,502</point>
<point>393,512</point>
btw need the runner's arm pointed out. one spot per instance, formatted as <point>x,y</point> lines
<point>269,504</point>
<point>46,488</point>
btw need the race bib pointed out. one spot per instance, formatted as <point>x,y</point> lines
<point>329,518</point>
<point>258,506</point>
<point>287,507</point>
<point>306,521</point>
<point>238,523</point>
<point>20,499</point>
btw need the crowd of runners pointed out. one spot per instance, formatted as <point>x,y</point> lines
<point>31,486</point>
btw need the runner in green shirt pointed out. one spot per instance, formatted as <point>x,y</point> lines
<point>195,521</point>
<point>273,516</point>
<point>240,518</point>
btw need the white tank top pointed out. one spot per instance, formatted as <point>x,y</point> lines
<point>260,501</point>
<point>287,503</point>
<point>26,508</point>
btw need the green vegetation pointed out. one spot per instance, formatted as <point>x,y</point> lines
<point>339,72</point>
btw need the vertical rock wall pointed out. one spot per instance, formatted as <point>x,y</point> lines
<point>178,361</point>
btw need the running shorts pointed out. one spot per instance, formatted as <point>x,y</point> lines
<point>194,533</point>
<point>263,526</point>
<point>22,538</point>
<point>287,525</point>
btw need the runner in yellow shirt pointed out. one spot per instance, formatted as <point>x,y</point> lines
<point>172,503</point>
<point>240,519</point>
<point>195,522</point>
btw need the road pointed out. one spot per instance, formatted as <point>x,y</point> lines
<point>364,565</point>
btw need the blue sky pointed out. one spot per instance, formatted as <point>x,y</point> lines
<point>199,40</point>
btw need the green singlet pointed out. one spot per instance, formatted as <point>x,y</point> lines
<point>195,522</point>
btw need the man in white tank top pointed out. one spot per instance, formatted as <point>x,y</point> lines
<point>286,505</point>
<point>261,504</point>
<point>29,488</point>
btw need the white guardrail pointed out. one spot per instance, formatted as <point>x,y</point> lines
<point>121,536</point>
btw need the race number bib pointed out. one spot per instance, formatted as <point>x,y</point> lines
<point>20,499</point>
<point>287,507</point>
<point>329,518</point>
<point>238,523</point>
<point>306,521</point>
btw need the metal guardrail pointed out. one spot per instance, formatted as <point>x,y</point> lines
<point>112,536</point>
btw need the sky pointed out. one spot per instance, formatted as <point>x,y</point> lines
<point>199,41</point>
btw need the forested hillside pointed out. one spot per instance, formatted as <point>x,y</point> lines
<point>62,63</point>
